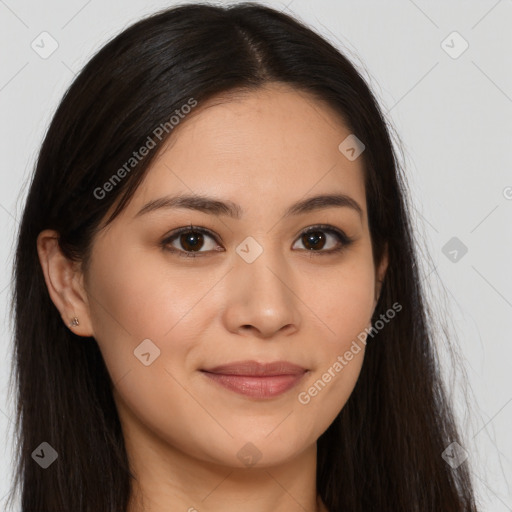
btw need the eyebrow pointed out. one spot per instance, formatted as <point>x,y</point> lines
<point>229,208</point>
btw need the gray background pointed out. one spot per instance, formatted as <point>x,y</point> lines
<point>453,115</point>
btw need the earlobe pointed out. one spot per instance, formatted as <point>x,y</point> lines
<point>64,284</point>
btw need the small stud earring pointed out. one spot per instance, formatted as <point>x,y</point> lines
<point>74,322</point>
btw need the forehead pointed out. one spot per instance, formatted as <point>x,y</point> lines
<point>260,147</point>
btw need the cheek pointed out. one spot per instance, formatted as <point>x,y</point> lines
<point>139,299</point>
<point>141,291</point>
<point>342,302</point>
<point>134,298</point>
<point>345,306</point>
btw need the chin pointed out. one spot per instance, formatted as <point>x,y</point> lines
<point>253,451</point>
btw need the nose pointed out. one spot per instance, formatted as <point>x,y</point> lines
<point>260,298</point>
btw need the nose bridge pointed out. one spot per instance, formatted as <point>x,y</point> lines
<point>261,289</point>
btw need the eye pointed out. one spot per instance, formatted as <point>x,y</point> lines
<point>191,239</point>
<point>315,239</point>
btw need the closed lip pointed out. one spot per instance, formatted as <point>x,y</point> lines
<point>255,368</point>
<point>257,380</point>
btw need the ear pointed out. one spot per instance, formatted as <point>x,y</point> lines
<point>380,274</point>
<point>64,281</point>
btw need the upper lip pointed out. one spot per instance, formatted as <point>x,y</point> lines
<point>254,368</point>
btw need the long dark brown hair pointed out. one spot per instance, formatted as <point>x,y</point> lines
<point>384,449</point>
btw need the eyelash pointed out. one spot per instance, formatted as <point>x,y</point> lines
<point>345,240</point>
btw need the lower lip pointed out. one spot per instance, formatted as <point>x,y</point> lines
<point>257,387</point>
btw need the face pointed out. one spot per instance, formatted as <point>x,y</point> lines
<point>265,283</point>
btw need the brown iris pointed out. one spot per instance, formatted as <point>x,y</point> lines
<point>191,240</point>
<point>314,238</point>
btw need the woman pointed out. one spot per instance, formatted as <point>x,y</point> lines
<point>217,301</point>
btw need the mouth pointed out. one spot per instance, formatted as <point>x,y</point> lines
<point>257,380</point>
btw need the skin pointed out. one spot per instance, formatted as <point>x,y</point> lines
<point>264,151</point>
